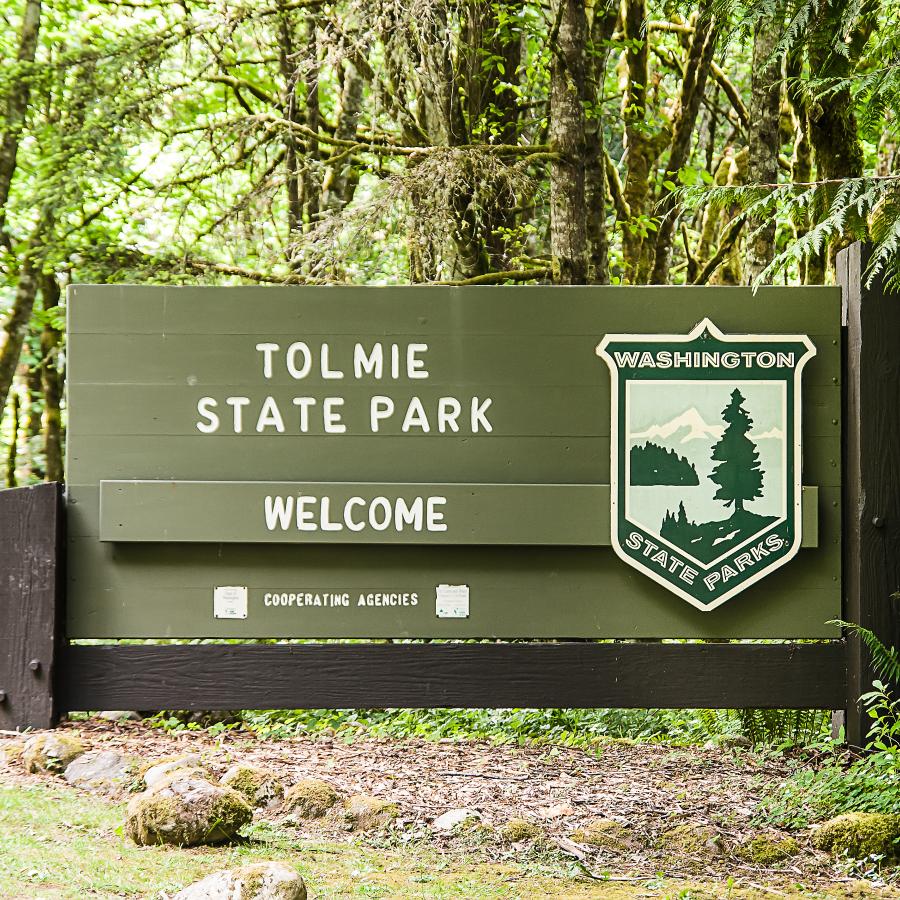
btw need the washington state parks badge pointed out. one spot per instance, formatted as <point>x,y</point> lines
<point>705,446</point>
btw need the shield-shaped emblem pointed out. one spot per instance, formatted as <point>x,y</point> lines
<point>705,481</point>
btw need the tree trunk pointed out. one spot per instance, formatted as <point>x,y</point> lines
<point>764,139</point>
<point>311,185</point>
<point>17,103</point>
<point>639,149</point>
<point>51,385</point>
<point>693,86</point>
<point>337,186</point>
<point>290,76</point>
<point>833,131</point>
<point>13,442</point>
<point>16,326</point>
<point>801,162</point>
<point>596,190</point>
<point>568,235</point>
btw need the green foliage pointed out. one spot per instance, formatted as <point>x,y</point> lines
<point>783,727</point>
<point>840,785</point>
<point>567,727</point>
<point>844,783</point>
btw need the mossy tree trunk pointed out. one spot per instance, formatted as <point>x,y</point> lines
<point>764,140</point>
<point>568,232</point>
<point>693,87</point>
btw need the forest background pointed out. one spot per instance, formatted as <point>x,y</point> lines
<point>427,141</point>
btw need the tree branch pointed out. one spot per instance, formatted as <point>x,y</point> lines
<point>497,277</point>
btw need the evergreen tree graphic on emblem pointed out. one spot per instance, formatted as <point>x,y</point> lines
<point>739,476</point>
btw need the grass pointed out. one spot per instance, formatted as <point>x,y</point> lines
<point>56,843</point>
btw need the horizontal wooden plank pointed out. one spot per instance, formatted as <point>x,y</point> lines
<point>489,459</point>
<point>117,309</point>
<point>465,360</point>
<point>166,591</point>
<point>794,676</point>
<point>354,513</point>
<point>344,513</point>
<point>141,409</point>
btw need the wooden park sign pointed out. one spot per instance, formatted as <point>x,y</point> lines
<point>504,471</point>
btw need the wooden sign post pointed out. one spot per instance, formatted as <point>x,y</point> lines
<point>437,463</point>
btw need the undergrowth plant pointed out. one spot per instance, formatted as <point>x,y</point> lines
<point>847,783</point>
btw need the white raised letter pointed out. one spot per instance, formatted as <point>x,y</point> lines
<point>267,350</point>
<point>292,351</point>
<point>203,408</point>
<point>380,408</point>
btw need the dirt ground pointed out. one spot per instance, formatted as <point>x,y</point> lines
<point>649,788</point>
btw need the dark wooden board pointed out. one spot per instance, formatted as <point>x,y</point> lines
<point>872,476</point>
<point>472,675</point>
<point>31,580</point>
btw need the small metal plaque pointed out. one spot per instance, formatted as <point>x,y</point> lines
<point>230,602</point>
<point>452,601</point>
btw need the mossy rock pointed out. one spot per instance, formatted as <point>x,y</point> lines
<point>311,798</point>
<point>692,840</point>
<point>363,812</point>
<point>766,850</point>
<point>859,835</point>
<point>186,811</point>
<point>12,753</point>
<point>50,753</point>
<point>516,830</point>
<point>604,834</point>
<point>257,881</point>
<point>259,787</point>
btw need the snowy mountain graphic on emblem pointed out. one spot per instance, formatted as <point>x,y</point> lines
<point>689,426</point>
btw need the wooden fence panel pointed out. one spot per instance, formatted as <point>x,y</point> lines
<point>30,612</point>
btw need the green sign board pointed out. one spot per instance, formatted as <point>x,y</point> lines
<point>453,462</point>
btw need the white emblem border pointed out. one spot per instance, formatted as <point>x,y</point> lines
<point>702,326</point>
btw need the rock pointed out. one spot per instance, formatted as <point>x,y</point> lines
<point>764,850</point>
<point>259,881</point>
<point>692,840</point>
<point>859,835</point>
<point>516,830</point>
<point>737,741</point>
<point>363,812</point>
<point>311,798</point>
<point>119,715</point>
<point>186,810</point>
<point>162,768</point>
<point>604,834</point>
<point>454,818</point>
<point>557,811</point>
<point>258,787</point>
<point>105,771</point>
<point>50,753</point>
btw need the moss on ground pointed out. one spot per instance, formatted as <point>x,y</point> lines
<point>516,830</point>
<point>765,850</point>
<point>604,834</point>
<point>695,841</point>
